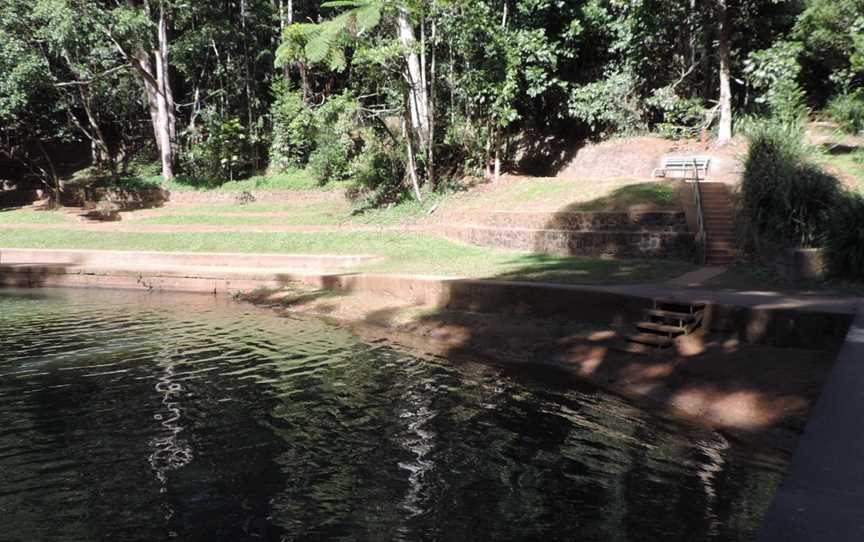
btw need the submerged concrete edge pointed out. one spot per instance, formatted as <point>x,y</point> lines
<point>812,325</point>
<point>822,496</point>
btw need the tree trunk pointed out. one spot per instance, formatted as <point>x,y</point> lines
<point>166,129</point>
<point>412,163</point>
<point>417,93</point>
<point>725,134</point>
<point>430,148</point>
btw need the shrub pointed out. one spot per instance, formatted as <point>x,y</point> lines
<point>848,111</point>
<point>785,199</point>
<point>774,73</point>
<point>215,151</point>
<point>610,105</point>
<point>379,170</point>
<point>293,128</point>
<point>335,122</point>
<point>844,242</point>
<point>681,117</point>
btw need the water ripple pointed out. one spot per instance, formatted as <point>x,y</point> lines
<point>128,416</point>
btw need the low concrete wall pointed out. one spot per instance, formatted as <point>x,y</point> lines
<point>781,327</point>
<point>115,258</point>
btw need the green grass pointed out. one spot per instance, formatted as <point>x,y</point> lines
<point>29,216</point>
<point>552,194</point>
<point>404,253</point>
<point>238,219</point>
<point>850,165</point>
<point>300,213</point>
<point>406,211</point>
<point>658,196</point>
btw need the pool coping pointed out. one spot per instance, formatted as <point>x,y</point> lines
<point>755,317</point>
<point>822,494</point>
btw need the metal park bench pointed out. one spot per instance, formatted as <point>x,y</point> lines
<point>695,165</point>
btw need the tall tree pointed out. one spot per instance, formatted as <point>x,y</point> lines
<point>725,57</point>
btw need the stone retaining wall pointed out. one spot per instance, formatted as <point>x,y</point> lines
<point>619,244</point>
<point>122,199</point>
<point>671,221</point>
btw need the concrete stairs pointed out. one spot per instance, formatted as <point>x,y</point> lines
<point>719,225</point>
<point>663,325</point>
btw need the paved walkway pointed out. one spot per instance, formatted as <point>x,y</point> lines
<point>822,496</point>
<point>697,277</point>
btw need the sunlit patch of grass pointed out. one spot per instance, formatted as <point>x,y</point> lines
<point>30,216</point>
<point>402,253</point>
<point>655,196</point>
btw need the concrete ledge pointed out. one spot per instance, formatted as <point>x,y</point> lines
<point>816,325</point>
<point>77,258</point>
<point>822,496</point>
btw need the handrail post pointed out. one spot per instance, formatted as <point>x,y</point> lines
<point>702,236</point>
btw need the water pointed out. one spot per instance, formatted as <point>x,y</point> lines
<point>127,416</point>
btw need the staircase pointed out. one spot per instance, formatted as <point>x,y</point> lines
<point>719,229</point>
<point>663,324</point>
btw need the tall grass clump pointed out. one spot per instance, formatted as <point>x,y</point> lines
<point>848,111</point>
<point>786,200</point>
<point>844,242</point>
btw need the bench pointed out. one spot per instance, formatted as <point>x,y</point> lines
<point>684,164</point>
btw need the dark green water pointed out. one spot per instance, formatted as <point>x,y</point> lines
<point>127,416</point>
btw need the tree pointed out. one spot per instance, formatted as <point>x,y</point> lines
<point>725,57</point>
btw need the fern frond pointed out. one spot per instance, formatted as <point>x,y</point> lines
<point>367,17</point>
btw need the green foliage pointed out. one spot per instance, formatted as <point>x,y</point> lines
<point>215,150</point>
<point>786,200</point>
<point>774,72</point>
<point>293,128</point>
<point>609,105</point>
<point>379,169</point>
<point>831,32</point>
<point>335,122</point>
<point>681,116</point>
<point>848,111</point>
<point>844,242</point>
<point>325,42</point>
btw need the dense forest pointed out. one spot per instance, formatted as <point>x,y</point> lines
<point>400,95</point>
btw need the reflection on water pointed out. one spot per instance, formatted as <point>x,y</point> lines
<point>126,416</point>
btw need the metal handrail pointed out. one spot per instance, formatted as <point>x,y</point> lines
<point>701,236</point>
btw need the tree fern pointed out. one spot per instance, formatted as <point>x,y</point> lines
<point>325,42</point>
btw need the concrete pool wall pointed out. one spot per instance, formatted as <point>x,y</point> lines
<point>755,318</point>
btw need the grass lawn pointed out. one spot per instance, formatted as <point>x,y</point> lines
<point>850,165</point>
<point>327,212</point>
<point>552,194</point>
<point>29,216</point>
<point>404,252</point>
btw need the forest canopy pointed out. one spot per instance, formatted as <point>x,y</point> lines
<point>400,95</point>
